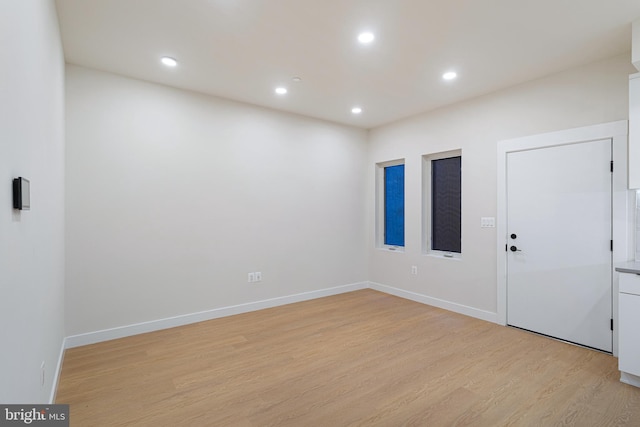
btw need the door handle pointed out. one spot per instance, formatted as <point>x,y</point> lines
<point>514,249</point>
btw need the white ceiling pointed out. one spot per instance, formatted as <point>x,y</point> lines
<point>243,49</point>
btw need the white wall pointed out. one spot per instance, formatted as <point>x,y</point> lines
<point>592,94</point>
<point>635,43</point>
<point>173,197</point>
<point>636,218</point>
<point>31,242</point>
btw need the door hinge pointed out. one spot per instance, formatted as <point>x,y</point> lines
<point>611,165</point>
<point>611,245</point>
<point>612,324</point>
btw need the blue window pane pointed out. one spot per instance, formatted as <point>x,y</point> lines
<point>446,212</point>
<point>394,205</point>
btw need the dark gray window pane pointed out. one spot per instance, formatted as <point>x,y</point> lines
<point>446,212</point>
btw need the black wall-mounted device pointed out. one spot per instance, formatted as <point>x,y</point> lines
<point>21,194</point>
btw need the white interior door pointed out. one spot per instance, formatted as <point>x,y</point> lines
<point>559,259</point>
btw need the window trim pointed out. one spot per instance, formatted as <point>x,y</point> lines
<point>426,205</point>
<point>379,237</point>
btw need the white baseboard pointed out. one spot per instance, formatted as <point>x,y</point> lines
<point>56,374</point>
<point>171,322</point>
<point>629,379</point>
<point>156,325</point>
<point>447,305</point>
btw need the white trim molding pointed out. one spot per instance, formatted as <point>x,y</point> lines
<point>622,244</point>
<point>171,322</point>
<point>436,302</point>
<point>379,213</point>
<point>56,374</point>
<point>156,325</point>
<point>630,379</point>
<point>427,198</point>
<point>185,319</point>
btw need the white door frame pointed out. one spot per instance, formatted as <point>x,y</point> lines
<point>622,197</point>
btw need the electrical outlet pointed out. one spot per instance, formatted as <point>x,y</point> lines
<point>487,222</point>
<point>414,270</point>
<point>42,374</point>
<point>255,276</point>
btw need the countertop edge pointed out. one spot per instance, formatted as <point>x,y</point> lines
<point>632,267</point>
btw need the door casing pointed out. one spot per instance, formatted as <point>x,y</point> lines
<point>621,203</point>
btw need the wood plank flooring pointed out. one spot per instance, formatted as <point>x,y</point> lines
<point>358,359</point>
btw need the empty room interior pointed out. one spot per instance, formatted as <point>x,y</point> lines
<point>321,212</point>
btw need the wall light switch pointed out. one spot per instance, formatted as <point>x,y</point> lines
<point>252,277</point>
<point>487,222</point>
<point>258,276</point>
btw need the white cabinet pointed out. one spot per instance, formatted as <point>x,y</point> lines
<point>629,324</point>
<point>634,131</point>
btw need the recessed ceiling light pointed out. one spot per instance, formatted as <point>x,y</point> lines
<point>296,79</point>
<point>281,90</point>
<point>366,37</point>
<point>168,61</point>
<point>450,75</point>
<point>356,110</point>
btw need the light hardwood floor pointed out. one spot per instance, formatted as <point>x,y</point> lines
<point>362,358</point>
